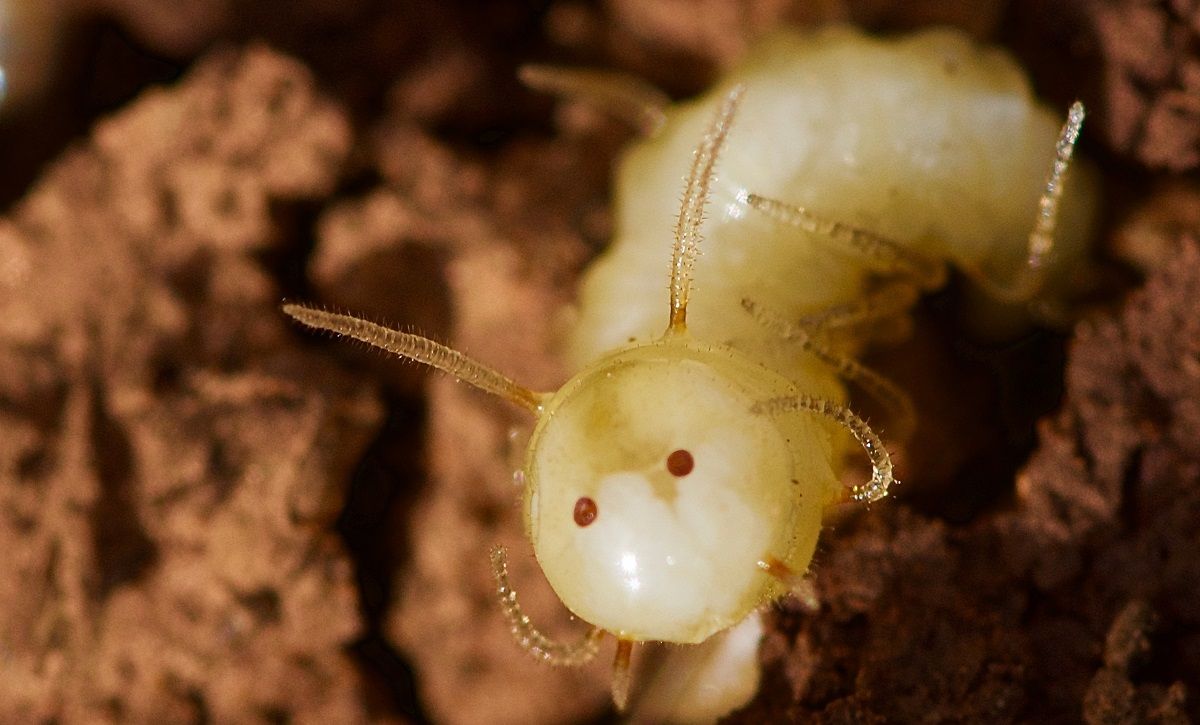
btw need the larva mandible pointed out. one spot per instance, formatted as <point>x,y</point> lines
<point>677,482</point>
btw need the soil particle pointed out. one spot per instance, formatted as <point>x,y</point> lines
<point>165,465</point>
<point>1051,610</point>
<point>1150,98</point>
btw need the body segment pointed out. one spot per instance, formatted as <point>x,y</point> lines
<point>930,140</point>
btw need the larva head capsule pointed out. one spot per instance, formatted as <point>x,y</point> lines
<point>653,491</point>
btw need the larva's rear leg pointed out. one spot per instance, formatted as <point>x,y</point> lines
<point>883,304</point>
<point>629,98</point>
<point>881,461</point>
<point>898,403</point>
<point>1032,275</point>
<point>879,253</point>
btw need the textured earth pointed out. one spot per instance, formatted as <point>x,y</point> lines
<point>208,515</point>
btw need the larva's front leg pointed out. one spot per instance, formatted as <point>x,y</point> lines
<point>881,460</point>
<point>556,654</point>
<point>700,683</point>
<point>528,636</point>
<point>875,251</point>
<point>897,402</point>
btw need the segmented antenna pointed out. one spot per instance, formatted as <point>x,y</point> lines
<point>695,198</point>
<point>419,349</point>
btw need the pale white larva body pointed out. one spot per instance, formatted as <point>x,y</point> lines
<point>677,482</point>
<point>931,140</point>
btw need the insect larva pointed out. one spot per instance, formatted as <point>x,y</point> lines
<point>677,482</point>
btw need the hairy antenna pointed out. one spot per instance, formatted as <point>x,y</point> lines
<point>420,349</point>
<point>691,212</point>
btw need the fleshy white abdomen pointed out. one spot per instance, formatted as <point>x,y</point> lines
<point>930,140</point>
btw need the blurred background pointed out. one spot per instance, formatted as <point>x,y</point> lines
<point>208,515</point>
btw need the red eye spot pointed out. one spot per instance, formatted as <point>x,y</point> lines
<point>680,463</point>
<point>585,511</point>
